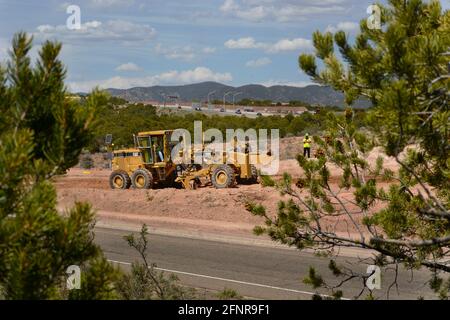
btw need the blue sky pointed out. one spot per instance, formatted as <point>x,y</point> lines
<point>126,43</point>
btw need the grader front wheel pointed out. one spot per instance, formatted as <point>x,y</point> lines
<point>223,177</point>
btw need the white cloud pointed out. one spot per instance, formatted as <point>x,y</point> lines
<point>253,14</point>
<point>63,6</point>
<point>279,46</point>
<point>112,30</point>
<point>128,67</point>
<point>346,26</point>
<point>281,10</point>
<point>290,45</point>
<point>229,6</point>
<point>300,84</point>
<point>198,74</point>
<point>293,12</point>
<point>258,62</point>
<point>209,50</point>
<point>244,43</point>
<point>185,53</point>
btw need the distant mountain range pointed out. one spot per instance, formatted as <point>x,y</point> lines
<point>312,94</point>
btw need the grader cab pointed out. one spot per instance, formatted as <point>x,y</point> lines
<point>150,165</point>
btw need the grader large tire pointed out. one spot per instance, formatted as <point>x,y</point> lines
<point>253,179</point>
<point>255,176</point>
<point>119,179</point>
<point>223,177</point>
<point>142,179</point>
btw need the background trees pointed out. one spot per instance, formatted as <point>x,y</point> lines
<point>132,118</point>
<point>403,70</point>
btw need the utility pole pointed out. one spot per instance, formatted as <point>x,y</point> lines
<point>235,95</point>
<point>177,99</point>
<point>164,96</point>
<point>209,98</point>
<point>225,97</point>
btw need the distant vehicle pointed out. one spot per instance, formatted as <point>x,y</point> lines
<point>238,111</point>
<point>198,109</point>
<point>222,109</point>
<point>249,110</point>
<point>259,114</point>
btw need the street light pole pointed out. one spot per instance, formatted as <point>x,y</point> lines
<point>235,95</point>
<point>164,96</point>
<point>209,95</point>
<point>225,96</point>
<point>177,97</point>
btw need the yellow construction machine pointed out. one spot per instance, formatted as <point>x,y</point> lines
<point>150,165</point>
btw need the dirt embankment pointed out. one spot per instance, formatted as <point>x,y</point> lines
<point>204,206</point>
<point>202,209</point>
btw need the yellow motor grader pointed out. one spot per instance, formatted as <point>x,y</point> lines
<point>149,165</point>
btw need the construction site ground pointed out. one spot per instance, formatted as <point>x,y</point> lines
<point>203,212</point>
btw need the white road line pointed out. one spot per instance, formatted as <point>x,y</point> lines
<point>231,280</point>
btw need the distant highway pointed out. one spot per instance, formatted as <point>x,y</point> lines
<point>215,111</point>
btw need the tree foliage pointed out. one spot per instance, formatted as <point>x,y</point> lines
<point>122,122</point>
<point>42,133</point>
<point>43,130</point>
<point>403,69</point>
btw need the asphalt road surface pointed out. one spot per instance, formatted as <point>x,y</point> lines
<point>215,111</point>
<point>254,271</point>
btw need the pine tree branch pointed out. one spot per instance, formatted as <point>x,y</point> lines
<point>435,213</point>
<point>414,243</point>
<point>347,212</point>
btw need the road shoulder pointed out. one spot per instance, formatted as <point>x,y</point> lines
<point>224,232</point>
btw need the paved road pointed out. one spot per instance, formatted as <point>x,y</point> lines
<point>227,112</point>
<point>254,271</point>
